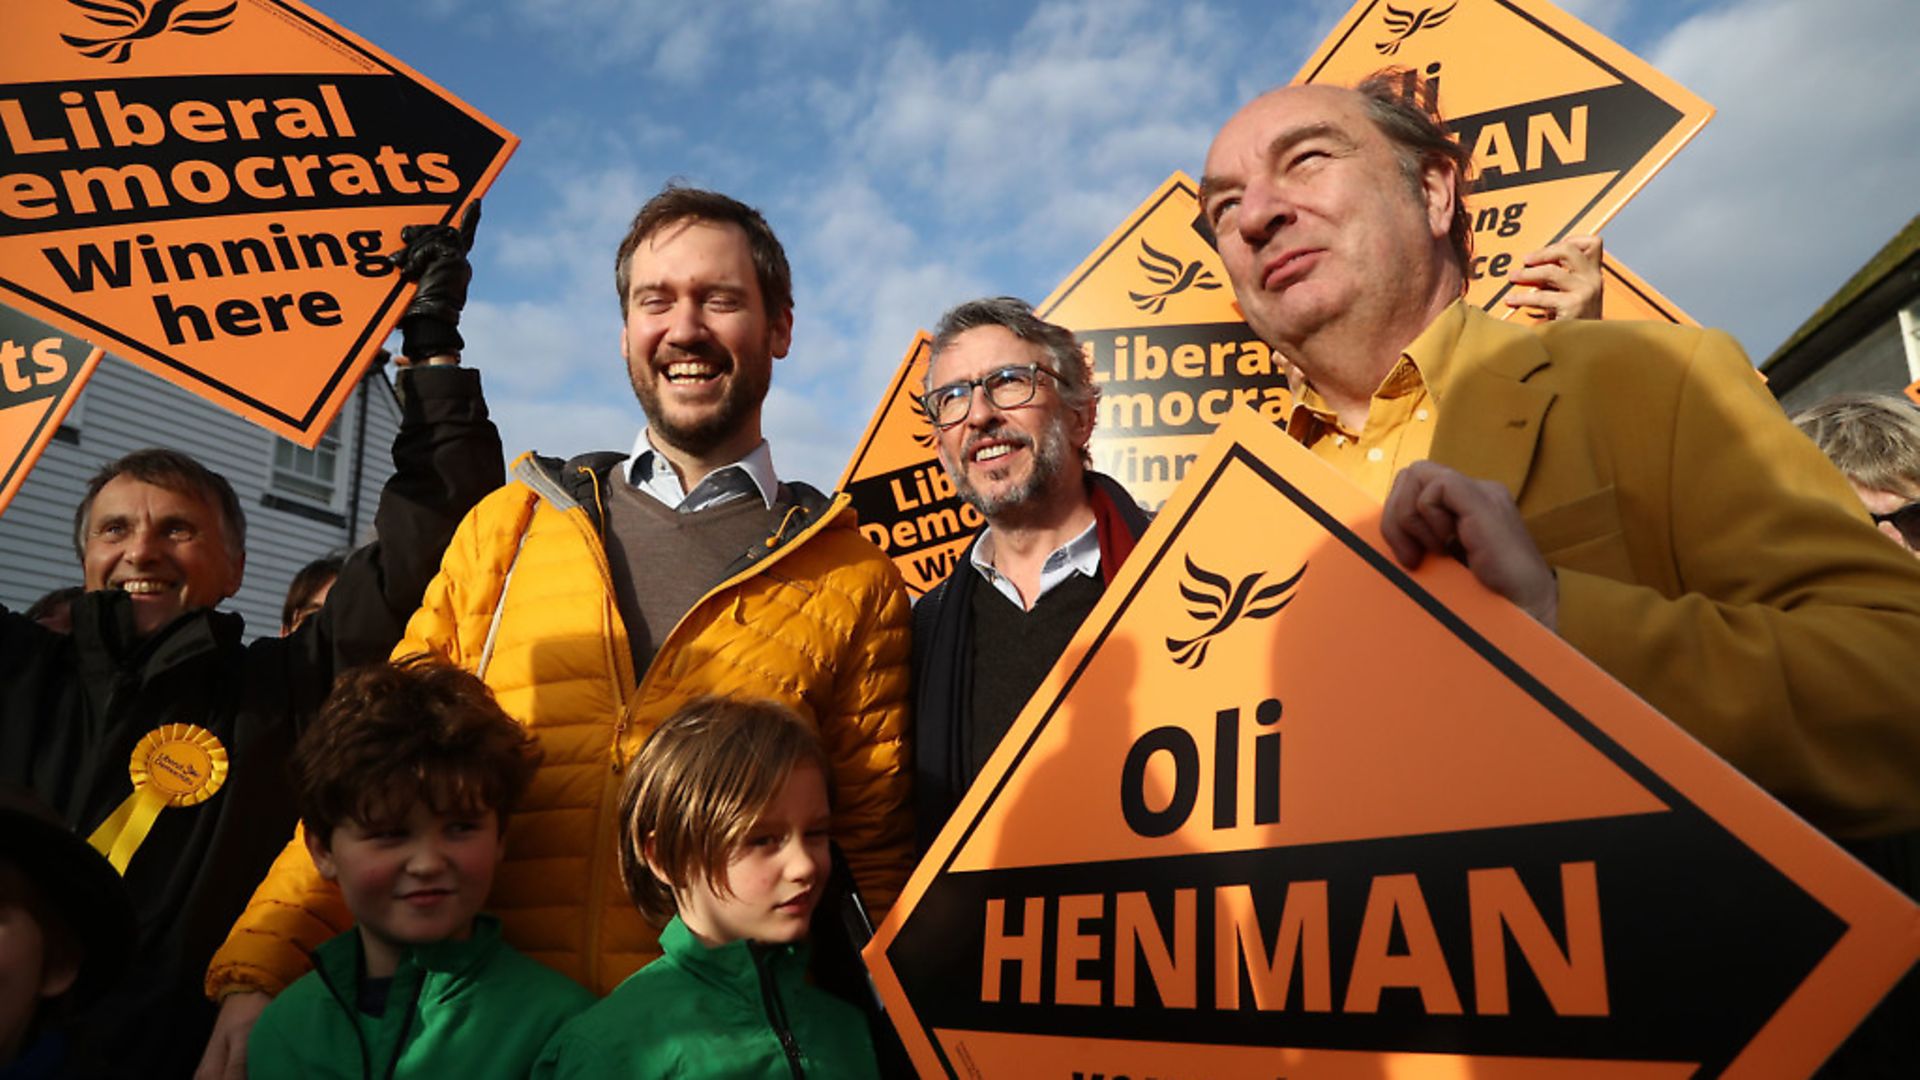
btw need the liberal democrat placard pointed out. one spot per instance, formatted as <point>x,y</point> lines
<point>1284,809</point>
<point>1564,124</point>
<point>1627,295</point>
<point>41,374</point>
<point>205,187</point>
<point>1171,353</point>
<point>906,502</point>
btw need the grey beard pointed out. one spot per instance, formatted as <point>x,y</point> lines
<point>1049,457</point>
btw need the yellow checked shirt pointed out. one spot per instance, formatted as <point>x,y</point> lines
<point>1400,419</point>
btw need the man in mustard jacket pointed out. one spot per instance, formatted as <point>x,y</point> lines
<point>598,595</point>
<point>1631,486</point>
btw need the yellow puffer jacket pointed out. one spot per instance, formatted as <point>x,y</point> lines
<point>817,619</point>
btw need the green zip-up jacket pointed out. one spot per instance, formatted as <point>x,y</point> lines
<point>739,1011</point>
<point>470,1009</point>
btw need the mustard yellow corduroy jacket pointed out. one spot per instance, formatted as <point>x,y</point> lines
<point>817,619</point>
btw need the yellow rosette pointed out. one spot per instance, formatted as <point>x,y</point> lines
<point>174,765</point>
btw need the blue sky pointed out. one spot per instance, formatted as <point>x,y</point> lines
<point>915,155</point>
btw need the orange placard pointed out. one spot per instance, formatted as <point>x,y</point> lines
<point>1171,352</point>
<point>41,373</point>
<point>1286,809</point>
<point>1564,124</point>
<point>905,500</point>
<point>1628,296</point>
<point>203,186</point>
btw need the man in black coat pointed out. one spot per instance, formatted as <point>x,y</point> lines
<point>1012,400</point>
<point>154,730</point>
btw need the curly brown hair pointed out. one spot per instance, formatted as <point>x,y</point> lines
<point>393,735</point>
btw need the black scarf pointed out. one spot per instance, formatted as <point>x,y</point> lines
<point>943,660</point>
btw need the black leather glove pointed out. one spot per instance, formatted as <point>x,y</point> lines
<point>436,257</point>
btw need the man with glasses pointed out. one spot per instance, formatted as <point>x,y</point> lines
<point>1012,400</point>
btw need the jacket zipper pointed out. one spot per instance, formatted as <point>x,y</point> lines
<point>776,1013</point>
<point>353,1014</point>
<point>406,1021</point>
<point>603,815</point>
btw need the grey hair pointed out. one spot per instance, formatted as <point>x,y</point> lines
<point>1420,138</point>
<point>1016,316</point>
<point>1874,439</point>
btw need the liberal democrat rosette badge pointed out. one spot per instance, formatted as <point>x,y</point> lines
<point>174,765</point>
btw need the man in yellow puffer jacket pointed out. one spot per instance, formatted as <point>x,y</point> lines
<point>597,595</point>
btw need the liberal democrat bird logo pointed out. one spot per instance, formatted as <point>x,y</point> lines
<point>1172,275</point>
<point>138,22</point>
<point>1405,24</point>
<point>1222,603</point>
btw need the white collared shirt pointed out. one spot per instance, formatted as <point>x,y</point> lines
<point>1080,555</point>
<point>648,470</point>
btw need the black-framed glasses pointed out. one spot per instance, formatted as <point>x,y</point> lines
<point>1907,520</point>
<point>1007,388</point>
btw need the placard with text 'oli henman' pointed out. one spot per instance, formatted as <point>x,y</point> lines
<point>204,187</point>
<point>1285,809</point>
<point>1564,125</point>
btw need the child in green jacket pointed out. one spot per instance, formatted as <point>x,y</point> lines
<point>405,784</point>
<point>724,836</point>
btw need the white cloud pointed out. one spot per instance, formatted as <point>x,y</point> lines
<point>939,173</point>
<point>814,16</point>
<point>865,282</point>
<point>673,40</point>
<point>1808,168</point>
<point>1084,89</point>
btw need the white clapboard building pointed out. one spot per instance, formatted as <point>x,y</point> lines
<point>300,504</point>
<point>1866,337</point>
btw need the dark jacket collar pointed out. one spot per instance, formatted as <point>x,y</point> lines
<point>341,959</point>
<point>108,649</point>
<point>943,658</point>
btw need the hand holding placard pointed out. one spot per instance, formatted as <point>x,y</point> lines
<point>436,257</point>
<point>1560,281</point>
<point>1435,509</point>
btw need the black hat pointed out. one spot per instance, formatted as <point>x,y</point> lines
<point>79,884</point>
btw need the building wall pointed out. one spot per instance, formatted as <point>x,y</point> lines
<point>1877,363</point>
<point>123,409</point>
